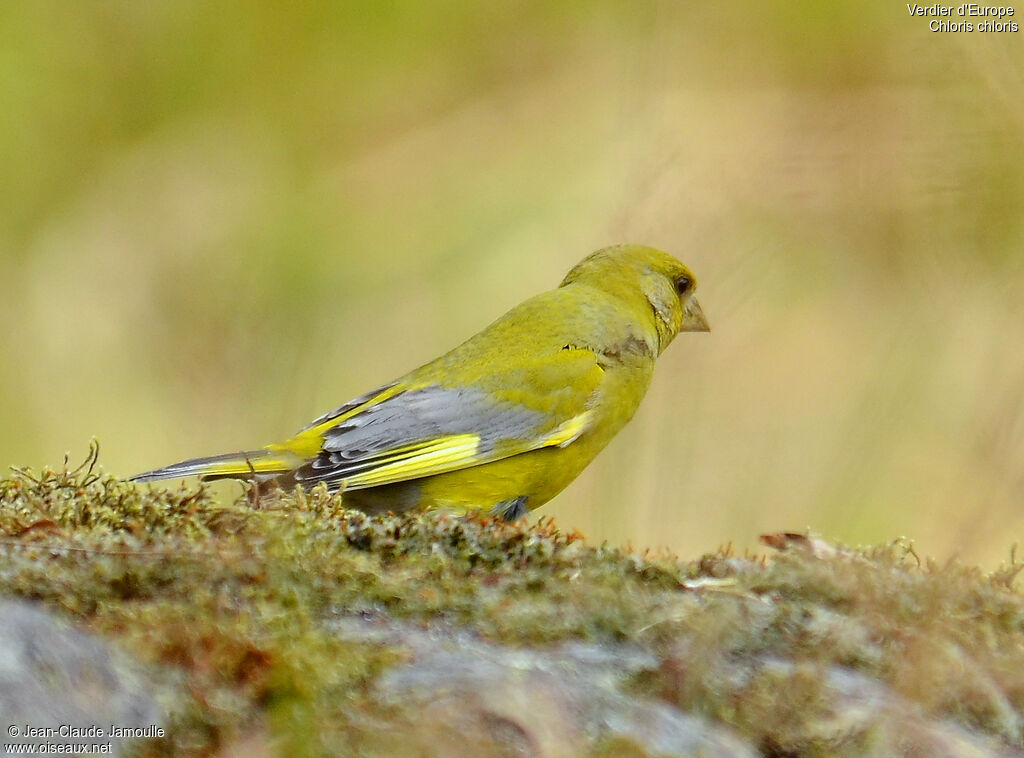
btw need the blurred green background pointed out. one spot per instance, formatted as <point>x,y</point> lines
<point>219,220</point>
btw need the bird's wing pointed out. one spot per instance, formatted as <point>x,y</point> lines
<point>402,431</point>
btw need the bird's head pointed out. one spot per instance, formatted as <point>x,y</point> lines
<point>649,280</point>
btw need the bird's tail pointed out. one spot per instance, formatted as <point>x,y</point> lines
<point>244,465</point>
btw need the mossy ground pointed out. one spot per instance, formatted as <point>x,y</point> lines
<point>235,600</point>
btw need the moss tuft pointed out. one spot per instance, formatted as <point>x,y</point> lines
<point>807,653</point>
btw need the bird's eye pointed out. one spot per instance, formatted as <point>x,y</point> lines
<point>684,284</point>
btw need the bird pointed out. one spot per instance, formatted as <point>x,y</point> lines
<point>506,420</point>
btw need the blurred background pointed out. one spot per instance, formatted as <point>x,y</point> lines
<point>219,221</point>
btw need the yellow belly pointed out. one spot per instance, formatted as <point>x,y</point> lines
<point>536,476</point>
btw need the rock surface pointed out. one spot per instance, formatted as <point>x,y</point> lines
<point>53,677</point>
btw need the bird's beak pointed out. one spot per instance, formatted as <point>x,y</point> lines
<point>693,318</point>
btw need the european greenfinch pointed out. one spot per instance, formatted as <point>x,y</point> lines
<point>507,419</point>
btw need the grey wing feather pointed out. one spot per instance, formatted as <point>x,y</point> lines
<point>360,443</point>
<point>350,405</point>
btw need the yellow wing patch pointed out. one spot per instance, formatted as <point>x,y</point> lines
<point>568,431</point>
<point>423,459</point>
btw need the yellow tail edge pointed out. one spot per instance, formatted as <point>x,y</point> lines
<point>241,465</point>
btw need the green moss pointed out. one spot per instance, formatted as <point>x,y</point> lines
<point>236,601</point>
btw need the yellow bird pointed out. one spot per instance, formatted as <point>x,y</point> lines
<point>506,420</point>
